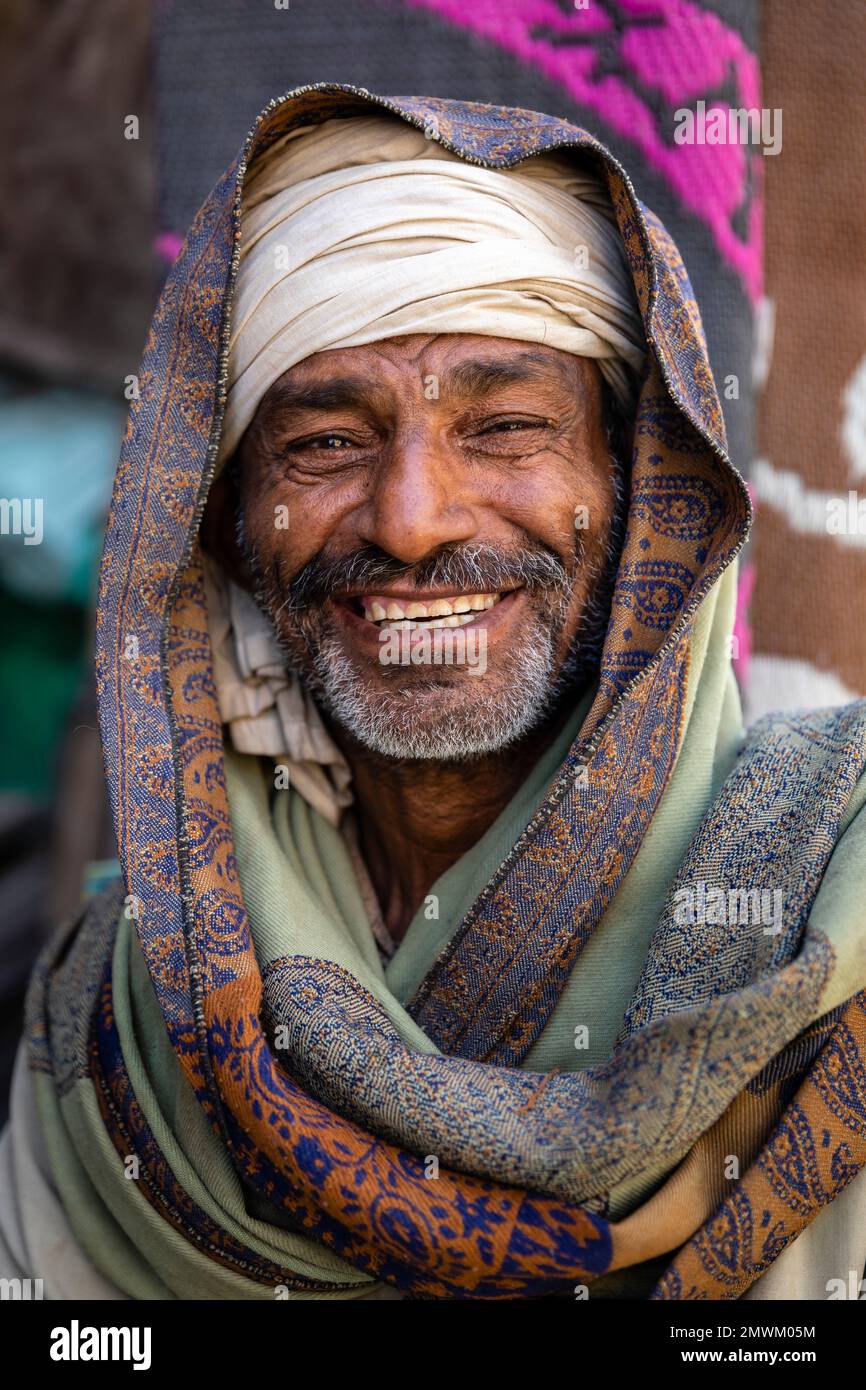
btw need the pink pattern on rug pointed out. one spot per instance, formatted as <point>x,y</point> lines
<point>742,648</point>
<point>686,54</point>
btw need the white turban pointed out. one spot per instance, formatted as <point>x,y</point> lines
<point>362,229</point>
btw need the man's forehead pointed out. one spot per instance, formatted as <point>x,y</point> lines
<point>465,365</point>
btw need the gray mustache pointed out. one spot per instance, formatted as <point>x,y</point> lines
<point>473,568</point>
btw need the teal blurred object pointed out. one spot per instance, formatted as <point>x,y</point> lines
<point>98,874</point>
<point>59,446</point>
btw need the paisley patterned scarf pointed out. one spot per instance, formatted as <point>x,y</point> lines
<point>278,1113</point>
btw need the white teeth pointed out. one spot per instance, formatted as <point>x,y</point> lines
<point>396,611</point>
<point>453,620</point>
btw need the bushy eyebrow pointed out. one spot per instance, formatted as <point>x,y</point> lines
<point>477,377</point>
<point>337,393</point>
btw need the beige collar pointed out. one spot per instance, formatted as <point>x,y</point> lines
<point>265,708</point>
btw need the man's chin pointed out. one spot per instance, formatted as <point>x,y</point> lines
<point>452,717</point>
<point>432,736</point>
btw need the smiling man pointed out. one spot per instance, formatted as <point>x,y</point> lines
<point>440,964</point>
<point>433,511</point>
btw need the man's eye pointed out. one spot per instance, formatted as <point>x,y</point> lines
<point>325,441</point>
<point>329,443</point>
<point>512,426</point>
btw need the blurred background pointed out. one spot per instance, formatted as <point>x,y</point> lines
<point>117,117</point>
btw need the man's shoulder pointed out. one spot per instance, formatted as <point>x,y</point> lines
<point>829,721</point>
<point>796,771</point>
<point>808,745</point>
<point>66,974</point>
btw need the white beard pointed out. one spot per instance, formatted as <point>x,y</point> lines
<point>451,720</point>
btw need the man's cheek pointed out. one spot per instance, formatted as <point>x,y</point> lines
<point>276,545</point>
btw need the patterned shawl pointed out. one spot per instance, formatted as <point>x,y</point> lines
<point>738,1041</point>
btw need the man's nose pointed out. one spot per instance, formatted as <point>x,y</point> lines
<point>419,502</point>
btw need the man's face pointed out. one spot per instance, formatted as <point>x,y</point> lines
<point>453,492</point>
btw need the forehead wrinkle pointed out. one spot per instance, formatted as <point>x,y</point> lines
<point>484,374</point>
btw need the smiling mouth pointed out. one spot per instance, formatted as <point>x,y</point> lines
<point>455,610</point>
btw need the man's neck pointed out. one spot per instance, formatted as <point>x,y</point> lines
<point>416,819</point>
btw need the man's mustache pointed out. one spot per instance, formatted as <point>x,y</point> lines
<point>468,569</point>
